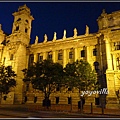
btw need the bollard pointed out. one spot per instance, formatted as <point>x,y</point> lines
<point>91,108</point>
<point>81,107</point>
<point>71,106</point>
<point>102,109</point>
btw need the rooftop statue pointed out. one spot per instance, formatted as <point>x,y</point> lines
<point>75,32</point>
<point>45,38</point>
<point>87,30</point>
<point>36,40</point>
<point>64,35</point>
<point>55,37</point>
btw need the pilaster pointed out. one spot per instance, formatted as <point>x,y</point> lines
<point>108,54</point>
<point>76,54</point>
<point>54,56</point>
<point>44,55</point>
<point>64,57</point>
<point>35,57</point>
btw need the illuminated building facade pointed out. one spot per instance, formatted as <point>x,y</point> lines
<point>101,50</point>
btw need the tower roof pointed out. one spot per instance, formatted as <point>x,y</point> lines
<point>24,8</point>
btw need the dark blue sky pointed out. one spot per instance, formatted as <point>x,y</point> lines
<point>53,17</point>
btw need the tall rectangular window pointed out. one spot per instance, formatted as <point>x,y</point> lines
<point>40,57</point>
<point>60,56</point>
<point>69,100</point>
<point>71,55</point>
<point>58,88</point>
<point>82,53</point>
<point>27,87</point>
<point>26,30</point>
<point>49,55</point>
<point>57,100</point>
<point>94,52</point>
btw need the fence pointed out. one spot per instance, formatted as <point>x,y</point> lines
<point>87,109</point>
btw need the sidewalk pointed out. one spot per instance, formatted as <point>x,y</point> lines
<point>25,110</point>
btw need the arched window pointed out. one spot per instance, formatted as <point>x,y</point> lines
<point>26,21</point>
<point>19,19</point>
<point>17,28</point>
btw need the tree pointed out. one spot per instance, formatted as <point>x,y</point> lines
<point>7,79</point>
<point>80,75</point>
<point>44,76</point>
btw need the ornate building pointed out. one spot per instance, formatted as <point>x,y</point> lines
<point>101,50</point>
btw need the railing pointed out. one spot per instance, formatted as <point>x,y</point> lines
<point>87,109</point>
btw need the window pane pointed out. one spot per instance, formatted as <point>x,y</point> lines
<point>69,100</point>
<point>59,56</point>
<point>95,52</point>
<point>70,55</point>
<point>83,53</point>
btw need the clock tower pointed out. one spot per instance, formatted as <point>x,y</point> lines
<point>15,52</point>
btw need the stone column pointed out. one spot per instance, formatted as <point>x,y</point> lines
<point>114,62</point>
<point>64,58</point>
<point>87,53</point>
<point>108,54</point>
<point>54,56</point>
<point>44,55</point>
<point>76,54</point>
<point>35,57</point>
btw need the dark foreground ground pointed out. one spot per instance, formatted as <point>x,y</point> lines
<point>30,111</point>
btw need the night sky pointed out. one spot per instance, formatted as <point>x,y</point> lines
<point>53,17</point>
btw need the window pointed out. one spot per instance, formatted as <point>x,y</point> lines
<point>40,58</point>
<point>60,56</point>
<point>57,100</point>
<point>5,97</point>
<point>116,45</point>
<point>26,21</point>
<point>118,63</point>
<point>69,89</point>
<point>26,30</point>
<point>58,88</point>
<point>49,55</point>
<point>31,59</point>
<point>83,53</point>
<point>19,19</point>
<point>35,99</point>
<point>25,99</point>
<point>95,52</point>
<point>97,101</point>
<point>17,28</point>
<point>70,54</point>
<point>11,57</point>
<point>69,100</point>
<point>27,87</point>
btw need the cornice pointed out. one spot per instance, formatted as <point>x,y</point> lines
<point>85,39</point>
